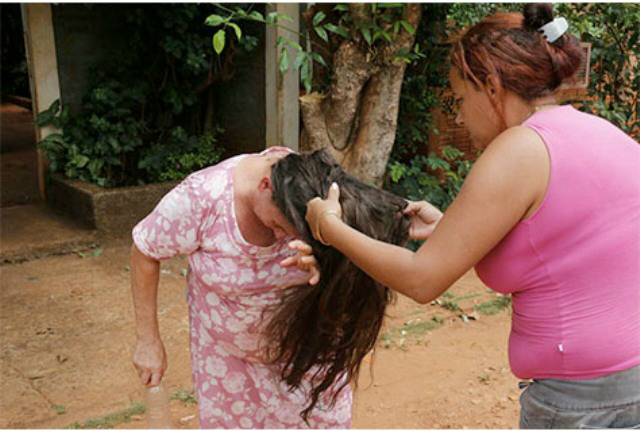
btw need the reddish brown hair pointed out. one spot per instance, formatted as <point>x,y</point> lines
<point>509,47</point>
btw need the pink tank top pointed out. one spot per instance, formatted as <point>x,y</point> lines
<point>573,267</point>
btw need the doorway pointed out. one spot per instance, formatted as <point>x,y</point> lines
<point>18,157</point>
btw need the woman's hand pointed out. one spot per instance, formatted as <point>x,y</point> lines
<point>318,209</point>
<point>424,219</point>
<point>150,360</point>
<point>303,260</point>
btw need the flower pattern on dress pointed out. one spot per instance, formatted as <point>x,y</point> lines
<point>230,283</point>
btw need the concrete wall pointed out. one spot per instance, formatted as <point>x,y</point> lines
<point>83,40</point>
<point>240,102</point>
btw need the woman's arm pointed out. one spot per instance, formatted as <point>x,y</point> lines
<point>150,358</point>
<point>506,181</point>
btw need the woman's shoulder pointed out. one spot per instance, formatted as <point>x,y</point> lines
<point>516,163</point>
<point>516,143</point>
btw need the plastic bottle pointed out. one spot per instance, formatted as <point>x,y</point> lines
<point>158,411</point>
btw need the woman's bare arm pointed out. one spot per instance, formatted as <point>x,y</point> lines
<point>502,186</point>
<point>149,357</point>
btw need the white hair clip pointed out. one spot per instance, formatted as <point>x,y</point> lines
<point>553,30</point>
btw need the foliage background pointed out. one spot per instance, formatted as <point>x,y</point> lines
<point>613,29</point>
<point>142,120</point>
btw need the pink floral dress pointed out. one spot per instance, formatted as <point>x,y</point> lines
<point>230,282</point>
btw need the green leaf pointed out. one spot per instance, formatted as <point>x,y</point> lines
<point>292,43</point>
<point>305,74</point>
<point>274,17</point>
<point>317,19</point>
<point>341,8</point>
<point>317,57</point>
<point>283,63</point>
<point>255,15</point>
<point>218,41</point>
<point>237,29</point>
<point>97,253</point>
<point>80,160</point>
<point>386,36</point>
<point>366,33</point>
<point>299,59</point>
<point>407,27</point>
<point>214,20</point>
<point>391,5</point>
<point>337,30</point>
<point>322,33</point>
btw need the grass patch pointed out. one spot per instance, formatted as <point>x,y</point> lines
<point>409,332</point>
<point>495,305</point>
<point>59,409</point>
<point>469,296</point>
<point>110,420</point>
<point>185,396</point>
<point>450,305</point>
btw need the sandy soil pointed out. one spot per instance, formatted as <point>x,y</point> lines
<point>67,337</point>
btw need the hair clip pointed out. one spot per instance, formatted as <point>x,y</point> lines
<point>553,30</point>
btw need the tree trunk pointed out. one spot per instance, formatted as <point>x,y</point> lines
<point>357,118</point>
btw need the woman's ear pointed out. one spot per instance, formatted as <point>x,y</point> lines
<point>491,85</point>
<point>264,184</point>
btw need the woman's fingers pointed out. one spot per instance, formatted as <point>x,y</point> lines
<point>334,193</point>
<point>412,207</point>
<point>300,246</point>
<point>317,208</point>
<point>155,379</point>
<point>145,376</point>
<point>150,360</point>
<point>300,261</point>
<point>303,260</point>
<point>315,276</point>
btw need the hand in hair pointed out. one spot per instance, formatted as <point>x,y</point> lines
<point>303,260</point>
<point>424,219</point>
<point>318,209</point>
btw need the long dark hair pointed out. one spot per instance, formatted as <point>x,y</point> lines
<point>320,334</point>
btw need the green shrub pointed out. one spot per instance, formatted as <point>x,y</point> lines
<point>141,120</point>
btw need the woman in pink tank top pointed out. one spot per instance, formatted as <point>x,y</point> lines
<point>549,213</point>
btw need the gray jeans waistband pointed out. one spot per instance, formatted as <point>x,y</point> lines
<point>615,389</point>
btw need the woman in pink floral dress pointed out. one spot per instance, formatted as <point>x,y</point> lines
<point>224,219</point>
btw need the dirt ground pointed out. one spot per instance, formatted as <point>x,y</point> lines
<point>67,338</point>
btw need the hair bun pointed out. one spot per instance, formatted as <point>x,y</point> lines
<point>537,14</point>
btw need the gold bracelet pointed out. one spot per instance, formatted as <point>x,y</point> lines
<point>320,217</point>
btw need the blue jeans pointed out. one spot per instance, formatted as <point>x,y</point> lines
<point>611,401</point>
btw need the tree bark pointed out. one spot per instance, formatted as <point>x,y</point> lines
<point>357,118</point>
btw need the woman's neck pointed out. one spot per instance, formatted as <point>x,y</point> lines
<point>246,180</point>
<point>519,110</point>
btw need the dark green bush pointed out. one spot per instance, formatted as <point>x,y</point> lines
<point>142,120</point>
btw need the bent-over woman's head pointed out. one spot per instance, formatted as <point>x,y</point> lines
<point>327,329</point>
